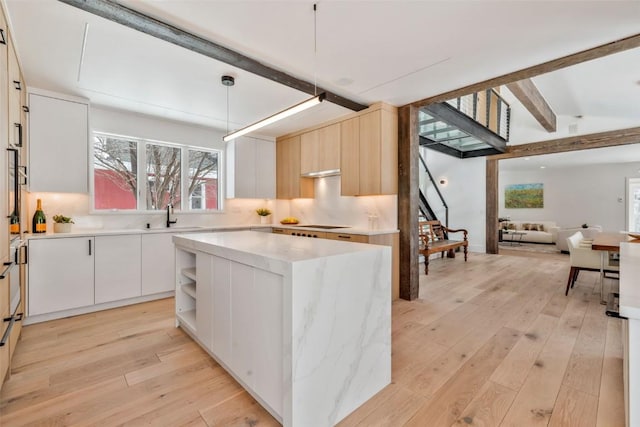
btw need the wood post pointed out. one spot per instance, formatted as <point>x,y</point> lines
<point>492,206</point>
<point>408,180</point>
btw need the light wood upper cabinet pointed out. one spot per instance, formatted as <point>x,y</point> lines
<point>320,150</point>
<point>369,154</point>
<point>289,184</point>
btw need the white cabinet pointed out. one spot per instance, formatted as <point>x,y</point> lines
<point>251,169</point>
<point>204,294</point>
<point>58,143</point>
<point>158,263</point>
<point>117,268</point>
<point>221,279</point>
<point>60,274</point>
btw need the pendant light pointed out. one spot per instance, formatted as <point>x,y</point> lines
<point>317,99</point>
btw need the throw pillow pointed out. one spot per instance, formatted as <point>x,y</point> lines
<point>540,227</point>
<point>526,226</point>
<point>533,227</point>
<point>511,226</point>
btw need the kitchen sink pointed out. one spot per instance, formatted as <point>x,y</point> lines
<point>324,227</point>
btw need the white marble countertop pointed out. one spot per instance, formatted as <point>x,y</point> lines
<point>272,252</point>
<point>630,280</point>
<point>343,229</point>
<point>84,232</point>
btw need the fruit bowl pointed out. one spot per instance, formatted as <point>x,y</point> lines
<point>289,221</point>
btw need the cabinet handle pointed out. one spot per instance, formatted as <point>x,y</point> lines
<point>25,108</point>
<point>17,84</point>
<point>8,266</point>
<point>19,126</point>
<point>89,246</point>
<point>7,333</point>
<point>23,174</point>
<point>3,39</point>
<point>26,254</point>
<point>342,236</point>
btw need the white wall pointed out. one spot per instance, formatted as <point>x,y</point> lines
<point>329,207</point>
<point>465,193</point>
<point>593,194</point>
<point>236,211</point>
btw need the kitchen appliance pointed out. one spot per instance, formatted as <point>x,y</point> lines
<point>12,271</point>
<point>14,188</point>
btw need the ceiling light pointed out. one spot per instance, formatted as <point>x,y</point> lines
<point>543,167</point>
<point>278,116</point>
<point>317,99</point>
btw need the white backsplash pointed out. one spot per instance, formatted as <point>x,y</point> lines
<point>237,212</point>
<point>330,208</point>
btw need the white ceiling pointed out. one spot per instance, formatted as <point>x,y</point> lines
<point>368,51</point>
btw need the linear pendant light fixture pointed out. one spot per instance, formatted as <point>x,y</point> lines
<point>278,116</point>
<point>317,99</point>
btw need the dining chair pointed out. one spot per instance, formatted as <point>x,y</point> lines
<point>582,257</point>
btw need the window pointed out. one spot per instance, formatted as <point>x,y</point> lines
<point>134,174</point>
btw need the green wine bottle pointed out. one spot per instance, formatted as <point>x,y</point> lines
<point>39,220</point>
<point>14,227</point>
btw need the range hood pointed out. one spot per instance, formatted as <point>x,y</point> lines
<point>321,174</point>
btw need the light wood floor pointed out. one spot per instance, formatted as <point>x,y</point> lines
<point>491,342</point>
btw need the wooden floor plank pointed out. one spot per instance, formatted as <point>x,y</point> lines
<point>488,408</point>
<point>611,396</point>
<point>240,410</point>
<point>574,408</point>
<point>447,404</point>
<point>516,366</point>
<point>536,398</point>
<point>585,366</point>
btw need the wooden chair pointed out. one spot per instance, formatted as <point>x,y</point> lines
<point>434,238</point>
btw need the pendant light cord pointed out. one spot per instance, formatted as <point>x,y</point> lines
<point>227,109</point>
<point>315,49</point>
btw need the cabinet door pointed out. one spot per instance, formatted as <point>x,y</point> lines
<point>350,157</point>
<point>58,145</point>
<point>204,300</point>
<point>117,269</point>
<point>370,140</point>
<point>158,263</point>
<point>265,175</point>
<point>267,338</point>
<point>320,149</point>
<point>221,280</point>
<point>289,184</point>
<point>60,274</point>
<point>245,168</point>
<point>243,322</point>
<point>357,238</point>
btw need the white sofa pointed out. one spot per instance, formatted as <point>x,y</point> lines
<point>534,231</point>
<point>564,233</point>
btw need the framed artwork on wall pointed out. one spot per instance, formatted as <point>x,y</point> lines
<point>518,196</point>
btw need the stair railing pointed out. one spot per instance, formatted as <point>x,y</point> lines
<point>435,186</point>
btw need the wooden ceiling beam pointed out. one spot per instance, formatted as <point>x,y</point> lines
<point>529,95</point>
<point>621,45</point>
<point>133,19</point>
<point>573,143</point>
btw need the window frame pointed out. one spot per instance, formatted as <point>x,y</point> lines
<point>141,147</point>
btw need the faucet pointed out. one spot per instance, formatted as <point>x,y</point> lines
<point>169,210</point>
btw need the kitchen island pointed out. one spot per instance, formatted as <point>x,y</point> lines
<point>303,324</point>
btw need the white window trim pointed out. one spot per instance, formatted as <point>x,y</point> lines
<point>142,183</point>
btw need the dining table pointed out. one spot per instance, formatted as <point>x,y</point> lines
<point>607,242</point>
